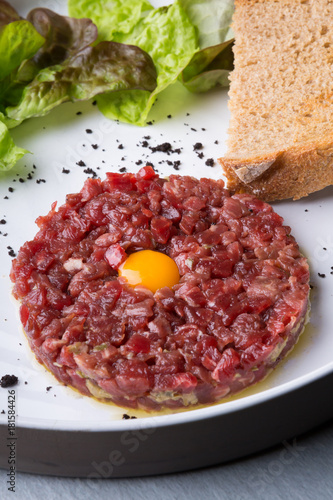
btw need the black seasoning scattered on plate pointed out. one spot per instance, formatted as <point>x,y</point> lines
<point>322,275</point>
<point>165,147</point>
<point>65,171</point>
<point>3,221</point>
<point>127,417</point>
<point>197,145</point>
<point>120,146</point>
<point>123,169</point>
<point>79,113</point>
<point>90,171</point>
<point>49,388</point>
<point>89,131</point>
<point>3,412</point>
<point>81,163</point>
<point>11,252</point>
<point>8,381</point>
<point>39,181</point>
<point>210,162</point>
<point>94,146</point>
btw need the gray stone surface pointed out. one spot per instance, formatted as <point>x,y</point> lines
<point>299,469</point>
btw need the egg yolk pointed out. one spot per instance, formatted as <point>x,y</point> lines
<point>151,269</point>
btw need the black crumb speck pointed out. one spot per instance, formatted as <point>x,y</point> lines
<point>94,146</point>
<point>94,103</point>
<point>127,417</point>
<point>200,155</point>
<point>3,412</point>
<point>11,190</point>
<point>123,169</point>
<point>197,145</point>
<point>139,162</point>
<point>39,181</point>
<point>65,171</point>
<point>79,113</point>
<point>210,162</point>
<point>89,131</point>
<point>11,253</point>
<point>81,163</point>
<point>165,147</point>
<point>3,221</point>
<point>121,146</point>
<point>169,116</point>
<point>90,171</point>
<point>322,275</point>
<point>8,380</point>
<point>49,388</point>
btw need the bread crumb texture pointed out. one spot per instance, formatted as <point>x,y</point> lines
<point>281,98</point>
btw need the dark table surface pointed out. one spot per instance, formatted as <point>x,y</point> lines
<point>300,468</point>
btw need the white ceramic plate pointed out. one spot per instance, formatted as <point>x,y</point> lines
<point>58,141</point>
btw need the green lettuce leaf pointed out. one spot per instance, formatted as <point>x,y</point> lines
<point>111,17</point>
<point>210,67</point>
<point>165,33</point>
<point>64,37</point>
<point>104,67</point>
<point>66,64</point>
<point>212,18</point>
<point>9,152</point>
<point>19,40</point>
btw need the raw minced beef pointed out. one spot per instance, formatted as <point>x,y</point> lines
<point>239,307</point>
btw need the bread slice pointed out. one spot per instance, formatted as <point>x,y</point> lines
<point>281,99</point>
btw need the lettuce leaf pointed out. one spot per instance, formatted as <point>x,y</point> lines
<point>104,67</point>
<point>111,17</point>
<point>19,40</point>
<point>169,37</point>
<point>209,68</point>
<point>189,40</point>
<point>212,18</point>
<point>49,59</point>
<point>7,13</point>
<point>165,33</point>
<point>9,152</point>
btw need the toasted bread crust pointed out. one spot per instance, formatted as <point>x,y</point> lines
<point>294,173</point>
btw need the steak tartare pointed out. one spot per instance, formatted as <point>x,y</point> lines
<point>238,308</point>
